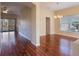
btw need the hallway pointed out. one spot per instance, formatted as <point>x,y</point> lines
<point>19,18</point>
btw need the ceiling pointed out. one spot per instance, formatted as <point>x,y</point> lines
<point>58,5</point>
<point>14,7</point>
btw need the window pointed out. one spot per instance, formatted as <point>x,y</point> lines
<point>70,23</point>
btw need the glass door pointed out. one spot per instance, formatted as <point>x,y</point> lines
<point>5,25</point>
<point>11,25</point>
<point>8,25</point>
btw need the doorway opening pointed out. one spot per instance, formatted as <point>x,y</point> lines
<point>47,25</point>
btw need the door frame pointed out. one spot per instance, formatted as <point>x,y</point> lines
<point>47,25</point>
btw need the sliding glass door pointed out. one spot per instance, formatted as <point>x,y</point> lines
<point>12,25</point>
<point>4,24</point>
<point>7,25</point>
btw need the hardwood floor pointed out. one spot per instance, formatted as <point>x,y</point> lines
<point>56,45</point>
<point>18,46</point>
<point>53,45</point>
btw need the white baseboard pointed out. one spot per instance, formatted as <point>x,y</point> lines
<point>24,36</point>
<point>38,44</point>
<point>29,39</point>
<point>35,44</point>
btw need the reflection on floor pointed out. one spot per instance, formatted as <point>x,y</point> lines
<point>54,45</point>
<point>8,38</point>
<point>14,45</point>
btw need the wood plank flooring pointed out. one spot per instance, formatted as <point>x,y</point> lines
<point>51,45</point>
<point>19,47</point>
<point>56,45</point>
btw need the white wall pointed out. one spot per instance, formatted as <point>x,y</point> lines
<point>41,14</point>
<point>24,23</point>
<point>33,24</point>
<point>37,23</point>
<point>27,23</point>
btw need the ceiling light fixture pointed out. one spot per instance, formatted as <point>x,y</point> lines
<point>4,10</point>
<point>58,16</point>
